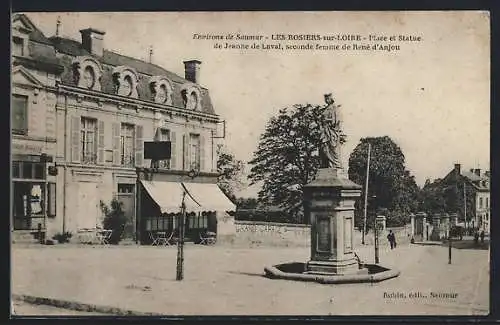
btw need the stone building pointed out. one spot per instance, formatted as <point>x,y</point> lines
<point>477,187</point>
<point>80,117</point>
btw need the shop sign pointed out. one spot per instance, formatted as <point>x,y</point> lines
<point>27,148</point>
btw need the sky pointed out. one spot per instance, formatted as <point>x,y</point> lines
<point>431,97</point>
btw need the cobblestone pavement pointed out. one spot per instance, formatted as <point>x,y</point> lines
<point>222,280</point>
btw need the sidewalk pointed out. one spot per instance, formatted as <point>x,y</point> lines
<point>228,281</point>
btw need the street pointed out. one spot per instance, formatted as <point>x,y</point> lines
<point>222,280</point>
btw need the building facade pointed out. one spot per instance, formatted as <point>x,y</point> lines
<point>82,114</point>
<point>475,187</point>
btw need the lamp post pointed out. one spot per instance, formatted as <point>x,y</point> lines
<point>375,235</point>
<point>181,227</point>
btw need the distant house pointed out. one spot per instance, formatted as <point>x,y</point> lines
<point>475,185</point>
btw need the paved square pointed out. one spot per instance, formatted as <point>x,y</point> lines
<point>222,280</point>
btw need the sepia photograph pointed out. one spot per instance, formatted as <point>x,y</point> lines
<point>250,163</point>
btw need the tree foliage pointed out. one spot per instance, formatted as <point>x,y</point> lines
<point>447,196</point>
<point>230,171</point>
<point>287,156</point>
<point>391,186</point>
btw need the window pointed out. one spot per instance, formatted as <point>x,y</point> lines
<point>19,114</point>
<point>127,150</point>
<point>17,46</point>
<point>198,221</point>
<point>194,151</point>
<point>88,138</point>
<point>126,188</point>
<point>164,136</point>
<point>487,203</point>
<point>480,202</point>
<point>28,170</point>
<point>28,205</point>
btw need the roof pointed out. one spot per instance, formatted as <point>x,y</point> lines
<point>59,50</point>
<point>35,35</point>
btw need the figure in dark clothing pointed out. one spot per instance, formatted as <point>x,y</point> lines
<point>476,237</point>
<point>392,239</point>
<point>482,236</point>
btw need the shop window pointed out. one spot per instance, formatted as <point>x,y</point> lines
<point>16,169</point>
<point>19,117</point>
<point>198,221</point>
<point>126,188</point>
<point>127,150</point>
<point>88,140</point>
<point>28,205</point>
<point>28,170</point>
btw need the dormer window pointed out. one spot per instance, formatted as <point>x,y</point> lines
<point>87,73</point>
<point>161,89</point>
<point>17,46</point>
<point>126,81</point>
<point>192,97</point>
<point>88,77</point>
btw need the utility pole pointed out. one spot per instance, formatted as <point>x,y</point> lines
<point>366,193</point>
<point>465,210</point>
<point>376,242</point>
<point>180,241</point>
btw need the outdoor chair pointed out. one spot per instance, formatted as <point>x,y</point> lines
<point>208,238</point>
<point>103,236</point>
<point>161,238</point>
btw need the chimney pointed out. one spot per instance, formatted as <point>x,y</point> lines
<point>192,70</point>
<point>457,168</point>
<point>93,41</point>
<point>477,171</point>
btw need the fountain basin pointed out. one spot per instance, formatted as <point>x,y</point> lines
<point>296,271</point>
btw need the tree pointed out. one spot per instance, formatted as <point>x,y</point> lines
<point>287,156</point>
<point>230,171</point>
<point>390,185</point>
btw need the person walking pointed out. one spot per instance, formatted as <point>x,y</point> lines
<point>392,239</point>
<point>482,236</point>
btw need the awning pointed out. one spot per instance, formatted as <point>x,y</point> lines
<point>209,196</point>
<point>168,196</point>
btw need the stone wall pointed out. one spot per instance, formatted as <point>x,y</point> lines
<point>255,234</point>
<point>250,233</point>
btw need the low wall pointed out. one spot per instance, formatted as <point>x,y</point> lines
<point>257,233</point>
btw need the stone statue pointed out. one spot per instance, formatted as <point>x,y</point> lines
<point>332,136</point>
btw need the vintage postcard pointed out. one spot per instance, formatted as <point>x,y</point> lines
<point>250,163</point>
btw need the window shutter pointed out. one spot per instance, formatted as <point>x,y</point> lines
<point>100,143</point>
<point>186,151</point>
<point>202,153</point>
<point>173,146</point>
<point>116,143</point>
<point>51,208</point>
<point>75,139</point>
<point>139,145</point>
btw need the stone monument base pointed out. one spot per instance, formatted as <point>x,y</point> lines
<point>333,267</point>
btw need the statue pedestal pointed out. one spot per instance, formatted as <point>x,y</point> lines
<point>329,204</point>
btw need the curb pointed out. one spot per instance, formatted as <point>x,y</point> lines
<point>78,306</point>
